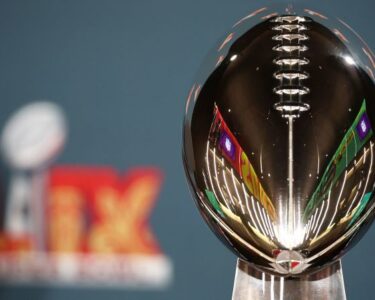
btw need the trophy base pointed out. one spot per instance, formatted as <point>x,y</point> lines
<point>253,284</point>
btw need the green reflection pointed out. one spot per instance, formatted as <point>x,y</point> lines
<point>211,197</point>
<point>350,145</point>
<point>366,198</point>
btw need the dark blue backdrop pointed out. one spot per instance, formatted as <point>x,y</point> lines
<point>122,71</point>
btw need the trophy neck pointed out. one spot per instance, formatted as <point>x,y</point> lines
<point>250,283</point>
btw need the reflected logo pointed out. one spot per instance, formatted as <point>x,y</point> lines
<point>363,126</point>
<point>227,146</point>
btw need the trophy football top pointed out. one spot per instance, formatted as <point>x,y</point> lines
<point>279,138</point>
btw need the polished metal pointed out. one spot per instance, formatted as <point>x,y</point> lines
<point>251,284</point>
<point>278,140</point>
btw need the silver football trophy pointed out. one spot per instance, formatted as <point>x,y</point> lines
<point>30,140</point>
<point>278,150</point>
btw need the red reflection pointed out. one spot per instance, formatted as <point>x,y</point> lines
<point>254,13</point>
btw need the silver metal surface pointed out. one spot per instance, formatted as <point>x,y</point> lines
<point>278,140</point>
<point>251,284</point>
<point>278,149</point>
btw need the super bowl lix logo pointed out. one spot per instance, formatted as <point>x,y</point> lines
<point>75,224</point>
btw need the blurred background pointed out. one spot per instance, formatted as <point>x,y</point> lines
<point>121,71</point>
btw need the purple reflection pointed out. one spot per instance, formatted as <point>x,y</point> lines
<point>227,145</point>
<point>363,126</point>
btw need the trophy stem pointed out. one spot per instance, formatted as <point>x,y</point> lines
<point>250,283</point>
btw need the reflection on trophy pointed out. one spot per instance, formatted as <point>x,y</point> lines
<point>278,150</point>
<point>31,139</point>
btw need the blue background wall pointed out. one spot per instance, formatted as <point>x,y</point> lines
<point>122,71</point>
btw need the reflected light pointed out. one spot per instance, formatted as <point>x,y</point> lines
<point>349,60</point>
<point>220,60</point>
<point>288,239</point>
<point>226,41</point>
<point>254,13</point>
<point>314,13</point>
<point>340,35</point>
